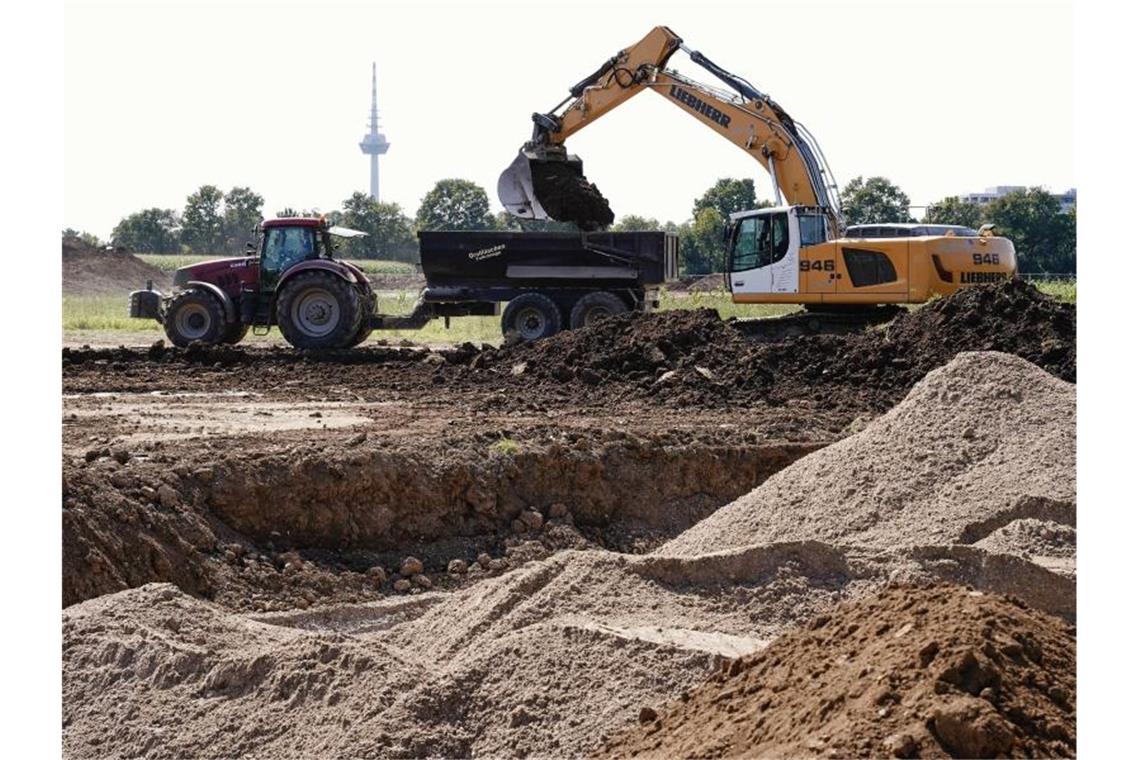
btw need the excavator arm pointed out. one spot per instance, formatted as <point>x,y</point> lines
<point>546,182</point>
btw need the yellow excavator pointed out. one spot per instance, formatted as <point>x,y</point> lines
<point>795,253</point>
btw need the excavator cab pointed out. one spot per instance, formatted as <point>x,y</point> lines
<point>763,250</point>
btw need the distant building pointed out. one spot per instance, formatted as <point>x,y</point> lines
<point>1067,199</point>
<point>374,144</point>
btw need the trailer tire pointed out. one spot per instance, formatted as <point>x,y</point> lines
<point>594,306</point>
<point>318,309</point>
<point>531,316</point>
<point>194,316</point>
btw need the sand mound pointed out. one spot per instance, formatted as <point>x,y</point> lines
<point>548,658</point>
<point>984,441</point>
<point>93,271</point>
<point>911,672</point>
<point>545,659</point>
<point>695,358</point>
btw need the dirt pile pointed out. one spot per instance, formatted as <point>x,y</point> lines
<point>542,660</point>
<point>94,271</point>
<point>694,358</point>
<point>987,440</point>
<point>568,647</point>
<point>910,672</point>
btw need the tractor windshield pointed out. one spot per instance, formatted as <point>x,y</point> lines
<point>284,247</point>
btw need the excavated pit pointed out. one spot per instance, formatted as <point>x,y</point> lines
<point>265,529</point>
<point>266,477</point>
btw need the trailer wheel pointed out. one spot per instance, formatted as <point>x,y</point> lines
<point>532,316</point>
<point>194,316</point>
<point>318,309</point>
<point>594,306</point>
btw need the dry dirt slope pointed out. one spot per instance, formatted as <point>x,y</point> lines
<point>549,658</point>
<point>91,271</point>
<point>910,672</point>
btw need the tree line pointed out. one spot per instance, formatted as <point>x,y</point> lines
<point>213,222</point>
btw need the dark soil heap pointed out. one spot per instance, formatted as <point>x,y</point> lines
<point>695,358</point>
<point>91,271</point>
<point>567,196</point>
<point>911,672</point>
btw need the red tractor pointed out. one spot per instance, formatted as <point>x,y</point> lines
<point>293,282</point>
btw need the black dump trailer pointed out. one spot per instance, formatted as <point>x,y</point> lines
<point>548,281</point>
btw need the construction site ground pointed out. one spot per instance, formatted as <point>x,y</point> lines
<point>540,549</point>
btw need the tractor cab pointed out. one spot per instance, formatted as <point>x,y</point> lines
<point>286,242</point>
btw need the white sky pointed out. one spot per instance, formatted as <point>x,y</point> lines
<point>942,98</point>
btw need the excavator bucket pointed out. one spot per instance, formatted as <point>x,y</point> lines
<point>516,189</point>
<point>553,187</point>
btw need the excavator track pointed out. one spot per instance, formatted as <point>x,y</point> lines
<point>815,322</point>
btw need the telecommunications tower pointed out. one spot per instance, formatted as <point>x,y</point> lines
<point>374,143</point>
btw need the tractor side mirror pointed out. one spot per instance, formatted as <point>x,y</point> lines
<point>726,233</point>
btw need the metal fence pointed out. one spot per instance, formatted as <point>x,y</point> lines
<point>1048,276</point>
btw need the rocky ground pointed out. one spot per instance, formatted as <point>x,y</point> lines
<point>477,551</point>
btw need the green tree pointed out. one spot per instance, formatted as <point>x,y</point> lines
<point>455,204</point>
<point>874,200</point>
<point>702,243</point>
<point>635,223</point>
<point>1044,237</point>
<point>87,238</point>
<point>153,230</point>
<point>242,215</point>
<point>728,195</point>
<point>390,234</point>
<point>202,221</point>
<point>290,212</point>
<point>954,210</point>
<point>702,239</point>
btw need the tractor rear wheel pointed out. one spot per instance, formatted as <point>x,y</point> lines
<point>368,300</point>
<point>594,306</point>
<point>194,316</point>
<point>318,309</point>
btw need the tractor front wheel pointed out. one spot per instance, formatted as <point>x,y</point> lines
<point>318,309</point>
<point>194,316</point>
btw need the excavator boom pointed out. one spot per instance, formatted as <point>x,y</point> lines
<point>545,181</point>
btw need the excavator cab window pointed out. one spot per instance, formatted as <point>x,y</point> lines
<point>779,241</point>
<point>746,246</point>
<point>760,241</point>
<point>813,229</point>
